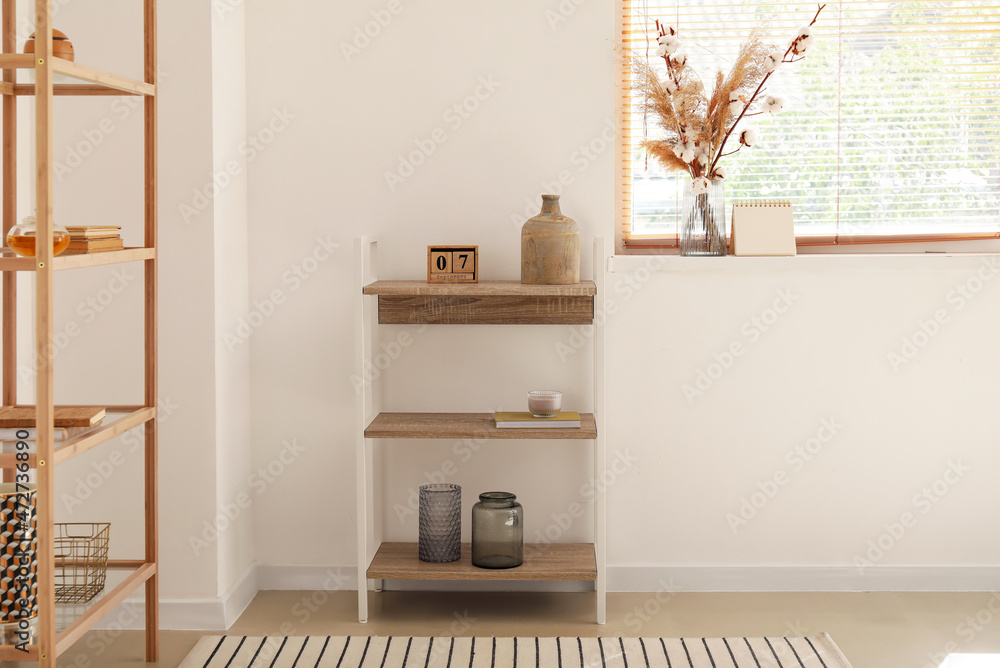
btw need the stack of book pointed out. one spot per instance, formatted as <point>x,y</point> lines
<point>94,238</point>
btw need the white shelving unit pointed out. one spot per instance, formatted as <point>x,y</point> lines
<point>487,302</point>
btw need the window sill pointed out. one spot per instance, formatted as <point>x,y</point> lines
<point>923,261</point>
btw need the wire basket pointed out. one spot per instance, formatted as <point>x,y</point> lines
<point>81,560</point>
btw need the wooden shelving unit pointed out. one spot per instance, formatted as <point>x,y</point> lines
<point>61,626</point>
<point>467,425</point>
<point>542,561</point>
<point>483,303</point>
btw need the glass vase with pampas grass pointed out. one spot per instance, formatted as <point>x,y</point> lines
<point>697,127</point>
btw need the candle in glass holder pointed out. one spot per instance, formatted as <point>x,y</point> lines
<point>544,403</point>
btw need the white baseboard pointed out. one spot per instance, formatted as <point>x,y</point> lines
<point>240,595</point>
<point>192,614</point>
<point>803,578</point>
<point>681,578</point>
<point>220,613</point>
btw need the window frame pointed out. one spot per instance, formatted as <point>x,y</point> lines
<point>834,244</point>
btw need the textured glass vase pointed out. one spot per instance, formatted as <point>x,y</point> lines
<point>497,531</point>
<point>440,523</point>
<point>703,221</point>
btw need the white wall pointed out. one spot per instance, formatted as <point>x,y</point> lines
<point>231,282</point>
<point>321,134</point>
<point>826,358</point>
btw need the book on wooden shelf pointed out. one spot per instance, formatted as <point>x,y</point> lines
<point>94,232</point>
<point>525,420</point>
<point>92,245</point>
<point>18,417</point>
<point>58,434</point>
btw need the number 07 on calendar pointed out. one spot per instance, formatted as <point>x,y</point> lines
<point>453,264</point>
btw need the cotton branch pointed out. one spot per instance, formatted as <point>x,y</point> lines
<point>760,87</point>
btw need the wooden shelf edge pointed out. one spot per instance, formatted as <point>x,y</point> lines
<point>468,425</point>
<point>480,289</point>
<point>101,77</point>
<point>109,602</point>
<point>27,89</point>
<point>76,630</point>
<point>108,81</point>
<point>542,562</point>
<point>102,434</point>
<point>79,260</point>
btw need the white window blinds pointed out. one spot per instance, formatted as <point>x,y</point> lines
<point>891,129</point>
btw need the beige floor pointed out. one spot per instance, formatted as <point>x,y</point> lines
<point>874,630</point>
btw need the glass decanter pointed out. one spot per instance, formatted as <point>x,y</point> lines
<point>21,238</point>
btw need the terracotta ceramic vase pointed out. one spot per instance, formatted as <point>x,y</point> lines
<point>550,247</point>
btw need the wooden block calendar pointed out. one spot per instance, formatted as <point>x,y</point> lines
<point>763,228</point>
<point>453,264</point>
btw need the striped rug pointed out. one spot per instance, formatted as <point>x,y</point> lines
<point>406,652</point>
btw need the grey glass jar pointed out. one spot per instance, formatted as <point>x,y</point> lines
<point>440,520</point>
<point>497,531</point>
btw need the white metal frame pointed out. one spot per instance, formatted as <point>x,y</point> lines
<point>366,342</point>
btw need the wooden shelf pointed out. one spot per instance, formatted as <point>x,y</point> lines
<point>74,620</point>
<point>542,561</point>
<point>116,423</point>
<point>483,303</point>
<point>9,261</point>
<point>467,425</point>
<point>105,81</point>
<point>481,289</point>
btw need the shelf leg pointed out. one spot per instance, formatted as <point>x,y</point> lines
<point>365,272</point>
<point>378,585</point>
<point>600,443</point>
<point>9,218</point>
<point>151,376</point>
<point>43,337</point>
